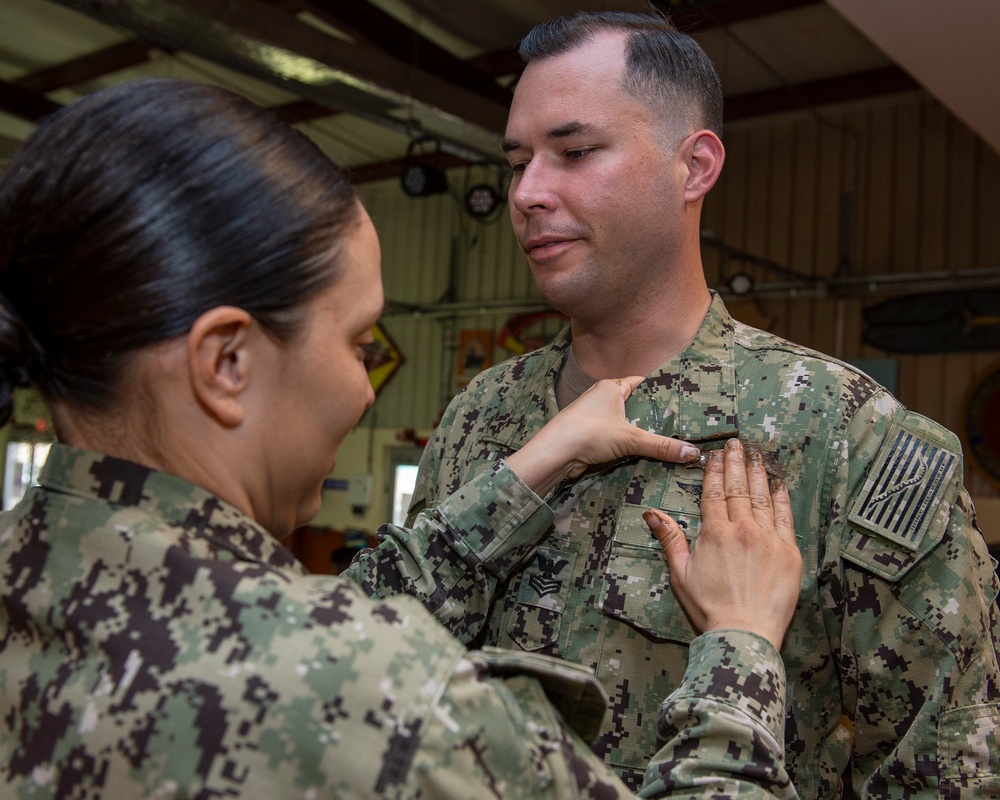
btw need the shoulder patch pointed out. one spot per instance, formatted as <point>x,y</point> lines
<point>910,476</point>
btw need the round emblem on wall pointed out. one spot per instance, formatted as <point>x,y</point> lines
<point>982,423</point>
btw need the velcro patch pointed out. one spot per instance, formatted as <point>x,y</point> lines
<point>907,481</point>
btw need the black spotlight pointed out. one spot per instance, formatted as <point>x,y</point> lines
<point>427,177</point>
<point>482,200</point>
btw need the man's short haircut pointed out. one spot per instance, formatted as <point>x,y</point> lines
<point>665,68</point>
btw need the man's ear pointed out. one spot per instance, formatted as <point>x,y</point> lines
<point>219,362</point>
<point>705,155</point>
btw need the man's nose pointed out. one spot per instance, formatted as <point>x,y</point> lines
<point>533,189</point>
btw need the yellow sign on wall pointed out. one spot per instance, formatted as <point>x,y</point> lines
<point>475,353</point>
<point>386,360</point>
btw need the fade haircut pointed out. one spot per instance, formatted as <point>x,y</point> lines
<point>664,68</point>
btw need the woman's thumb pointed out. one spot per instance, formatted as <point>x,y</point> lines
<point>671,538</point>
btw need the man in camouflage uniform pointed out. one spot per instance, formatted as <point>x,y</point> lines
<point>892,655</point>
<point>155,642</point>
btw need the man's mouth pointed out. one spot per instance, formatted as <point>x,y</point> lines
<point>541,246</point>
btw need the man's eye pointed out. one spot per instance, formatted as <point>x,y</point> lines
<point>374,354</point>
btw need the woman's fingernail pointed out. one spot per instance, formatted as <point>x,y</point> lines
<point>690,453</point>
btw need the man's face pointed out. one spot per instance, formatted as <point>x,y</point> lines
<point>597,190</point>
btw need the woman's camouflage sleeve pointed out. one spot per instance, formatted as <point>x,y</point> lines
<point>723,727</point>
<point>454,554</point>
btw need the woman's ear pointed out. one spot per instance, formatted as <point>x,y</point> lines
<point>219,360</point>
<point>705,156</point>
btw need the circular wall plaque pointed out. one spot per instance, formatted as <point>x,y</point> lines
<point>981,430</point>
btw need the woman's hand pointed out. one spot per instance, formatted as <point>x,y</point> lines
<point>592,430</point>
<point>745,569</point>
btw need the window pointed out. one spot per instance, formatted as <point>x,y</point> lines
<point>402,478</point>
<point>24,460</point>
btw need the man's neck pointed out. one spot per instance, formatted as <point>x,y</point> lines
<point>642,342</point>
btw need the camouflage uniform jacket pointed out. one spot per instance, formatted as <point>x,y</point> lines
<point>157,643</point>
<point>892,655</point>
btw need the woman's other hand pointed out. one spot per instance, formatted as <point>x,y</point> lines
<point>745,568</point>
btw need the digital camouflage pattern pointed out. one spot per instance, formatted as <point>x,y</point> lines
<point>157,643</point>
<point>892,655</point>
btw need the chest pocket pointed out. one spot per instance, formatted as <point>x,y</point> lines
<point>636,586</point>
<point>534,621</point>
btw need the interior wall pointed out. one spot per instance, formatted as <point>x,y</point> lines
<point>927,201</point>
<point>365,452</point>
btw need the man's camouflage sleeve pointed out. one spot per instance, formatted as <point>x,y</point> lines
<point>451,557</point>
<point>909,596</point>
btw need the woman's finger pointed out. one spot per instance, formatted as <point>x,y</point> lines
<point>713,492</point>
<point>784,524</point>
<point>675,547</point>
<point>760,488</point>
<point>670,536</point>
<point>737,490</point>
<point>662,448</point>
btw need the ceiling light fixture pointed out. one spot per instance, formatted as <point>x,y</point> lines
<point>482,200</point>
<point>426,177</point>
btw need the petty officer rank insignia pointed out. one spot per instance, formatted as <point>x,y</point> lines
<point>909,478</point>
<point>543,581</point>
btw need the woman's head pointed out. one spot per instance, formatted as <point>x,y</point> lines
<point>131,212</point>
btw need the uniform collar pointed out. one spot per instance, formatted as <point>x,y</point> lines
<point>191,512</point>
<point>693,396</point>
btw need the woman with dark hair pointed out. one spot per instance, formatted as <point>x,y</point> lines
<point>192,285</point>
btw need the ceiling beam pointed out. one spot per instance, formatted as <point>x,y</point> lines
<point>302,111</point>
<point>264,41</point>
<point>842,89</point>
<point>273,21</point>
<point>24,97</point>
<point>264,23</point>
<point>25,104</point>
<point>499,63</point>
<point>117,57</point>
<point>694,17</point>
<point>368,23</point>
<point>688,17</point>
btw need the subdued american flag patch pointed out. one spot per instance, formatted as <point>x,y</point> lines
<point>906,482</point>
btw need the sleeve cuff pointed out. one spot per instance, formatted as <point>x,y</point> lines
<point>499,502</point>
<point>738,669</point>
